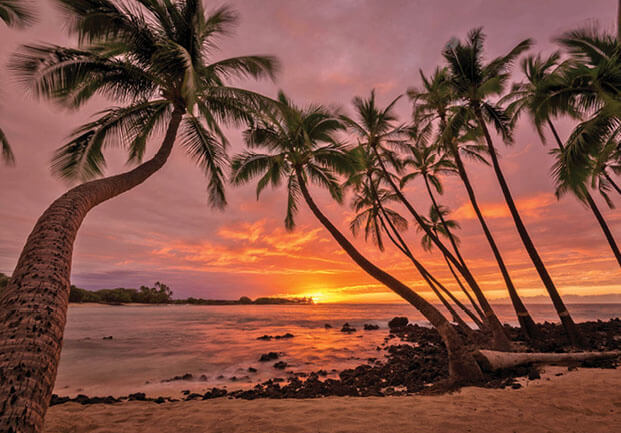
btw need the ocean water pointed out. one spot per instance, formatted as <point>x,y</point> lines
<point>153,343</point>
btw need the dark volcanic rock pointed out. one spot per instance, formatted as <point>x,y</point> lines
<point>347,328</point>
<point>277,337</point>
<point>327,326</point>
<point>398,323</point>
<point>187,376</point>
<point>268,357</point>
<point>280,365</point>
<point>285,336</point>
<point>109,337</point>
<point>214,393</point>
<point>370,327</point>
<point>252,370</point>
<point>138,396</point>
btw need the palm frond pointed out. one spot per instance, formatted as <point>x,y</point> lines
<point>209,154</point>
<point>16,13</point>
<point>7,153</point>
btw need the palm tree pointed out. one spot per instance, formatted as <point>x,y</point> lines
<point>537,97</point>
<point>151,55</point>
<point>428,162</point>
<point>375,127</point>
<point>302,149</point>
<point>14,13</point>
<point>441,226</point>
<point>435,101</point>
<point>474,82</point>
<point>369,203</point>
<point>592,83</point>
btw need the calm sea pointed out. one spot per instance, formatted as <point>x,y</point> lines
<point>153,343</point>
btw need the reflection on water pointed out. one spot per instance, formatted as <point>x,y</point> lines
<point>153,343</point>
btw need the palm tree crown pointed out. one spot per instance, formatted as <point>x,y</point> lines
<point>435,223</point>
<point>153,56</point>
<point>302,145</point>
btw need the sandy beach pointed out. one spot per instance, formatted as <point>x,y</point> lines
<point>583,401</point>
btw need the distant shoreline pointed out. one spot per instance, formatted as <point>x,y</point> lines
<point>207,302</point>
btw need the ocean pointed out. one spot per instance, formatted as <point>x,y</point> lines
<point>151,344</point>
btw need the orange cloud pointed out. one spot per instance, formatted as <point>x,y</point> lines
<point>529,206</point>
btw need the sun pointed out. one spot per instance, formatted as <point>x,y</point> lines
<point>317,297</point>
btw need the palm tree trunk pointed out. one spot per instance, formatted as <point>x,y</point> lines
<point>462,366</point>
<point>448,232</point>
<point>430,279</point>
<point>587,195</point>
<point>33,307</point>
<point>473,302</point>
<point>500,339</point>
<point>451,238</point>
<point>527,324</point>
<point>561,309</point>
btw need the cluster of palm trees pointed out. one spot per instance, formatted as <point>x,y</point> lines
<point>154,59</point>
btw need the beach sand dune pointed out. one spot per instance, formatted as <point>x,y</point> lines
<point>583,401</point>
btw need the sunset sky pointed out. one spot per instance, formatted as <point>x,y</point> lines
<point>330,51</point>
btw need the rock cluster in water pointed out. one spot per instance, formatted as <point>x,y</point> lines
<point>407,367</point>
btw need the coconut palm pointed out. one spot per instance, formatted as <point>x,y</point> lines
<point>376,129</point>
<point>370,202</point>
<point>443,227</point>
<point>592,83</point>
<point>428,162</point>
<point>14,13</point>
<point>537,97</point>
<point>457,136</point>
<point>475,82</point>
<point>152,56</point>
<point>301,149</point>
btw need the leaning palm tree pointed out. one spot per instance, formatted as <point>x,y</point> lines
<point>301,149</point>
<point>153,57</point>
<point>14,13</point>
<point>474,83</point>
<point>371,204</point>
<point>537,96</point>
<point>429,162</point>
<point>456,136</point>
<point>441,226</point>
<point>375,128</point>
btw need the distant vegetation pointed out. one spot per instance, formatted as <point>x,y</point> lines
<point>159,294</point>
<point>162,294</point>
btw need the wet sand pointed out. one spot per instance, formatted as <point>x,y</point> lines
<point>583,401</point>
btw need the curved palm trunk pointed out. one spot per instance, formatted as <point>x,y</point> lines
<point>443,222</point>
<point>33,307</point>
<point>453,243</point>
<point>500,339</point>
<point>598,215</point>
<point>559,305</point>
<point>473,302</point>
<point>462,366</point>
<point>429,279</point>
<point>527,324</point>
<point>402,246</point>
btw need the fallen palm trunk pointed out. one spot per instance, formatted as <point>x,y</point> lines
<point>491,360</point>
